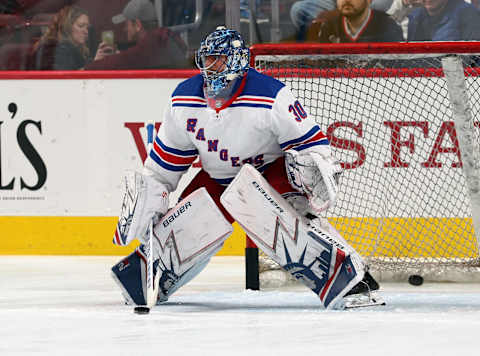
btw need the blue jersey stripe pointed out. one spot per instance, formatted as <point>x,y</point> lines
<point>309,134</point>
<point>165,165</point>
<point>266,106</point>
<point>174,150</point>
<point>311,144</point>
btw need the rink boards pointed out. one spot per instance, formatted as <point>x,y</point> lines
<point>65,144</point>
<point>76,235</point>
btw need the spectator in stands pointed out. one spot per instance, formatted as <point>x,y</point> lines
<point>444,20</point>
<point>64,44</point>
<point>245,9</point>
<point>302,13</point>
<point>354,21</point>
<point>9,7</point>
<point>153,47</point>
<point>400,10</point>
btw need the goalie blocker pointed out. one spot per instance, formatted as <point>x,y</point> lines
<point>315,255</point>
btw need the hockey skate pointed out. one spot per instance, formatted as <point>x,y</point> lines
<point>362,295</point>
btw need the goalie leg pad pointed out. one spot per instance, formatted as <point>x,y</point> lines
<point>129,274</point>
<point>170,282</point>
<point>329,272</point>
<point>184,240</point>
<point>310,253</point>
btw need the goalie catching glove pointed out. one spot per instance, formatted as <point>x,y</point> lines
<point>314,172</point>
<point>145,199</point>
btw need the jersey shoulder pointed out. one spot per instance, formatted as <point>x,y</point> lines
<point>259,84</point>
<point>190,87</point>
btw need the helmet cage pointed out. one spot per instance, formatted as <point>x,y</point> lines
<point>227,43</point>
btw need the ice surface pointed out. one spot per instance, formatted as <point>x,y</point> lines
<point>71,306</point>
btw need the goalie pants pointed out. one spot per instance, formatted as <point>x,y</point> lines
<point>275,175</point>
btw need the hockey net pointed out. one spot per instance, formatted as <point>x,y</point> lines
<point>408,139</point>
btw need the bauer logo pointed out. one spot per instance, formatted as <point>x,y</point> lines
<point>267,196</point>
<point>124,264</point>
<point>17,137</point>
<point>176,214</point>
<point>318,232</point>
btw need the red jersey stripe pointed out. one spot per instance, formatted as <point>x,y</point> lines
<point>172,159</point>
<point>189,99</point>
<point>318,137</point>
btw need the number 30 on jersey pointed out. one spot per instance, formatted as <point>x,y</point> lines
<point>298,111</point>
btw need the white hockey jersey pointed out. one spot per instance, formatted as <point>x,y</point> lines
<point>256,126</point>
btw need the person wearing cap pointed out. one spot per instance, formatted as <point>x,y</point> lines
<point>152,46</point>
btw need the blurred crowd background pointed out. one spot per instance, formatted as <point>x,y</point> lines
<point>157,34</point>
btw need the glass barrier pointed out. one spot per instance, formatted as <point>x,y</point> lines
<point>164,34</point>
<point>104,35</point>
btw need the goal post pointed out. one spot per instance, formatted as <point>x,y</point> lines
<point>464,123</point>
<point>403,118</point>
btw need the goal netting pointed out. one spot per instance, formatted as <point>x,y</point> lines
<point>403,119</point>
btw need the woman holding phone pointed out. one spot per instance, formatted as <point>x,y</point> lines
<point>64,46</point>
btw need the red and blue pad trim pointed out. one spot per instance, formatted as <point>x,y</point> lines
<point>328,275</point>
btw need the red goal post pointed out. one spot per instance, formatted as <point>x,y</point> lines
<point>403,119</point>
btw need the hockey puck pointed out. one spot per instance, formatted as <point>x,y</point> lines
<point>141,310</point>
<point>415,280</point>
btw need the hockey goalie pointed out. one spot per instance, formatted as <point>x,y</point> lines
<point>266,164</point>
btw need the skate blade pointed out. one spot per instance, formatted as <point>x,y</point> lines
<point>362,301</point>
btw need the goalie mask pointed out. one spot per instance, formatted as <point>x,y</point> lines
<point>222,58</point>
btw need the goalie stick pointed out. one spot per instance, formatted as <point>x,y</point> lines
<point>151,284</point>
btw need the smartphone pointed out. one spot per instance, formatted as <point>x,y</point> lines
<point>108,37</point>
